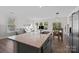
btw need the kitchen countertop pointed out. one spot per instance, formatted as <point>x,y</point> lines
<point>34,39</point>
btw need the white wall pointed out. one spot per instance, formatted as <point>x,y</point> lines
<point>3,25</point>
<point>74,10</point>
<point>69,16</point>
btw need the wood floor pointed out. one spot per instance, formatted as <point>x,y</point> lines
<point>7,45</point>
<point>61,46</point>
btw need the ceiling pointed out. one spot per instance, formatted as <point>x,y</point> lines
<point>37,11</point>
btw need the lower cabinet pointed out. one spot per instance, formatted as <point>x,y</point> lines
<point>47,47</point>
<point>24,48</point>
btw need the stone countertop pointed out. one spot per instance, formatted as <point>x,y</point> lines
<point>34,39</point>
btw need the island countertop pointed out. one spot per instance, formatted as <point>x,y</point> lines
<point>32,39</point>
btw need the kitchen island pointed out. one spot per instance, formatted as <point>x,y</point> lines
<point>32,42</point>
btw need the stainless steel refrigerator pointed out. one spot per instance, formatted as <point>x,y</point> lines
<point>74,35</point>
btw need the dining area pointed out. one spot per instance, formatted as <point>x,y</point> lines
<point>58,31</point>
